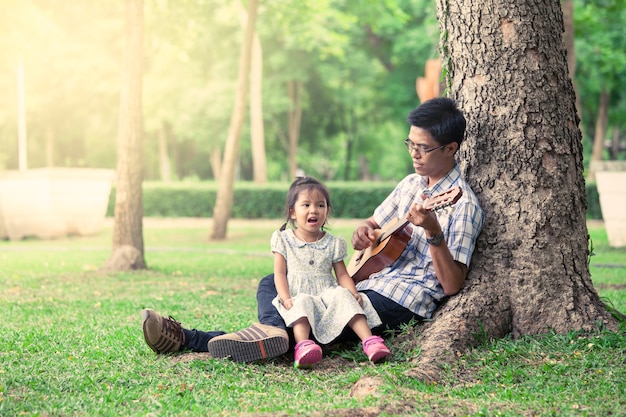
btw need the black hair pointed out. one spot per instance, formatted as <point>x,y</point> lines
<point>299,185</point>
<point>441,118</point>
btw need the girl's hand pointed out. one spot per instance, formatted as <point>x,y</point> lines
<point>288,303</point>
<point>357,297</point>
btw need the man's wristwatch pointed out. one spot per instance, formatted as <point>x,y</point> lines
<point>435,240</point>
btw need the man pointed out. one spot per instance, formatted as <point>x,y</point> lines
<point>432,266</point>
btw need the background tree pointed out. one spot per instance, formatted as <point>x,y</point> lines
<point>70,57</point>
<point>224,202</point>
<point>257,125</point>
<point>128,251</point>
<point>506,66</point>
<point>356,63</point>
<point>600,76</point>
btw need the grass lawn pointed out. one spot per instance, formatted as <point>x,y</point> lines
<point>72,344</point>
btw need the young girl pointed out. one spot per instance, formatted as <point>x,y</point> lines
<point>309,299</point>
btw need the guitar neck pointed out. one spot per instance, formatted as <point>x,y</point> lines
<point>438,202</point>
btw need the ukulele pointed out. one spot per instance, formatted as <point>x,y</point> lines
<point>392,239</point>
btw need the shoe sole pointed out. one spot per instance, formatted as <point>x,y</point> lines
<point>379,356</point>
<point>309,359</point>
<point>248,351</point>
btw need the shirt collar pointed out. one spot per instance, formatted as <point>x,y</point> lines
<point>443,184</point>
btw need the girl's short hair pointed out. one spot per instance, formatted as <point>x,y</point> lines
<point>299,185</point>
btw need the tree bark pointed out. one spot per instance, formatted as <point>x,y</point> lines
<point>507,69</point>
<point>128,251</point>
<point>225,193</point>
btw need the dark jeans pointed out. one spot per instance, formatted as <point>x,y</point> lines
<point>392,314</point>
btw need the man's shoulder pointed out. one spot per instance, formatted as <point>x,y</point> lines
<point>411,180</point>
<point>469,196</point>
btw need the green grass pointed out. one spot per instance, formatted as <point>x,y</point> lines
<point>72,343</point>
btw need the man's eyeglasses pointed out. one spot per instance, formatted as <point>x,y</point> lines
<point>420,149</point>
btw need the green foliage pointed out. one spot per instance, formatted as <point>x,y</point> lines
<point>600,61</point>
<point>357,61</point>
<point>251,201</point>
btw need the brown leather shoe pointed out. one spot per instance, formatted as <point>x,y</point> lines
<point>254,343</point>
<point>163,335</point>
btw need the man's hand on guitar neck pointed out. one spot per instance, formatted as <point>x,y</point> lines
<point>420,216</point>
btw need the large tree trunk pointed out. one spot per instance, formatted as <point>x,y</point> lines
<point>225,193</point>
<point>128,251</point>
<point>523,158</point>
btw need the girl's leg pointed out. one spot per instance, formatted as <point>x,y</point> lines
<point>301,329</point>
<point>306,352</point>
<point>373,346</point>
<point>358,324</point>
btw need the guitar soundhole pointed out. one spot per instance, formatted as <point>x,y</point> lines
<point>358,259</point>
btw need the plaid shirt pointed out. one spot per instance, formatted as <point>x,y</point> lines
<point>411,281</point>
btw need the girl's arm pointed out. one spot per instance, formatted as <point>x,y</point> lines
<point>345,280</point>
<point>280,280</point>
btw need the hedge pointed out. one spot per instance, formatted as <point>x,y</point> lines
<point>251,201</point>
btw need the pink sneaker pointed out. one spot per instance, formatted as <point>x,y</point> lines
<point>307,353</point>
<point>375,349</point>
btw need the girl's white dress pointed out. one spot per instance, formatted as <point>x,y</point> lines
<point>313,287</point>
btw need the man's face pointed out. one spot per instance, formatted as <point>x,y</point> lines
<point>430,159</point>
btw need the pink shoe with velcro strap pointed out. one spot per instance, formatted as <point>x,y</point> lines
<point>375,349</point>
<point>307,353</point>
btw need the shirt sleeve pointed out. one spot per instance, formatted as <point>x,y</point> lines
<point>340,249</point>
<point>464,230</point>
<point>277,243</point>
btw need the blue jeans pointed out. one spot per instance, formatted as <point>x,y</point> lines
<point>392,314</point>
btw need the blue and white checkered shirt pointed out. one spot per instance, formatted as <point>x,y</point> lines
<point>410,281</point>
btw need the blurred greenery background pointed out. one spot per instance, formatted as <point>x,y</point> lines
<point>356,61</point>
